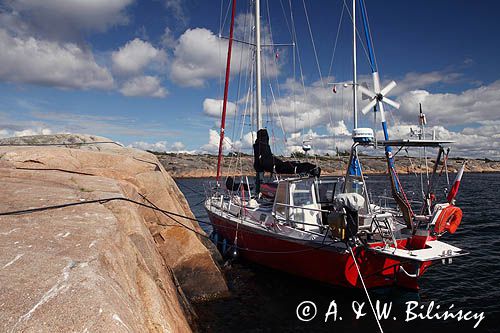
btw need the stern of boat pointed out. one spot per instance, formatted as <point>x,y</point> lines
<point>406,266</point>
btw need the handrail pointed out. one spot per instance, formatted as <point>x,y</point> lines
<point>307,208</point>
<point>417,273</point>
<point>392,198</point>
<point>304,223</point>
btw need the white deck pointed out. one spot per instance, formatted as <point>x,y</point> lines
<point>435,250</point>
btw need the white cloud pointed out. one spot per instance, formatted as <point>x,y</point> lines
<point>63,19</point>
<point>314,105</point>
<point>135,56</point>
<point>469,117</point>
<point>470,106</point>
<point>6,133</point>
<point>213,107</point>
<point>488,128</point>
<point>200,55</point>
<point>245,143</point>
<point>482,141</point>
<point>196,57</point>
<point>248,140</point>
<point>415,80</point>
<point>178,146</point>
<point>43,42</point>
<point>472,113</point>
<point>36,61</point>
<point>338,129</point>
<point>321,143</point>
<point>160,146</point>
<point>213,143</point>
<point>144,86</point>
<point>310,106</point>
<point>33,131</point>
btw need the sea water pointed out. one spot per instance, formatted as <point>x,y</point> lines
<point>468,290</point>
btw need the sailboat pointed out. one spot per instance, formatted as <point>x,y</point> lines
<point>327,228</point>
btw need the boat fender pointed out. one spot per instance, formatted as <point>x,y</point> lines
<point>449,219</point>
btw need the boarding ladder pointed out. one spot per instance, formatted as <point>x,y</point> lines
<point>381,225</point>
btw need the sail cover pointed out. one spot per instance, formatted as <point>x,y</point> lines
<point>265,161</point>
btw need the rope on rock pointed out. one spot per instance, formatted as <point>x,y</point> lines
<point>153,207</point>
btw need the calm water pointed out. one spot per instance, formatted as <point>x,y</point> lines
<point>264,300</point>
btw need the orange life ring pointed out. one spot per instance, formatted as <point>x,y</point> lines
<point>448,220</point>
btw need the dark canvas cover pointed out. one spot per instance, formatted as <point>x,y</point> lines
<point>265,161</point>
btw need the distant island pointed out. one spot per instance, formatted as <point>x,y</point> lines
<point>184,165</point>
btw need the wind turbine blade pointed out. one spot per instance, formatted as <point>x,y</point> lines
<point>376,82</point>
<point>392,103</point>
<point>364,96</point>
<point>381,110</point>
<point>366,92</point>
<point>369,106</point>
<point>388,88</point>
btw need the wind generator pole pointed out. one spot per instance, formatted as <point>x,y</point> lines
<point>354,69</point>
<point>258,89</point>
<point>378,98</point>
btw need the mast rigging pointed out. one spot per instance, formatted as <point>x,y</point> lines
<point>226,88</point>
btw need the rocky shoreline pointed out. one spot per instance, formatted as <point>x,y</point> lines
<point>205,166</point>
<point>91,264</point>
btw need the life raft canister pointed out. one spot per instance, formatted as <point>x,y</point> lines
<point>448,220</point>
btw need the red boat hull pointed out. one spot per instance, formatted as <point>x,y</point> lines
<point>335,267</point>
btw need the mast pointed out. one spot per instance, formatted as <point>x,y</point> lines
<point>354,168</point>
<point>226,88</point>
<point>354,69</point>
<point>258,89</point>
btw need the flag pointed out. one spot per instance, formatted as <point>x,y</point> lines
<point>456,184</point>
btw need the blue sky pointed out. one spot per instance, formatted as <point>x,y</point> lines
<point>141,72</point>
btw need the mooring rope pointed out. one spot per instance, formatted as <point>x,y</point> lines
<point>364,287</point>
<point>167,213</point>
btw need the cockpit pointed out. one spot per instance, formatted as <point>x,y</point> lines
<point>304,203</point>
